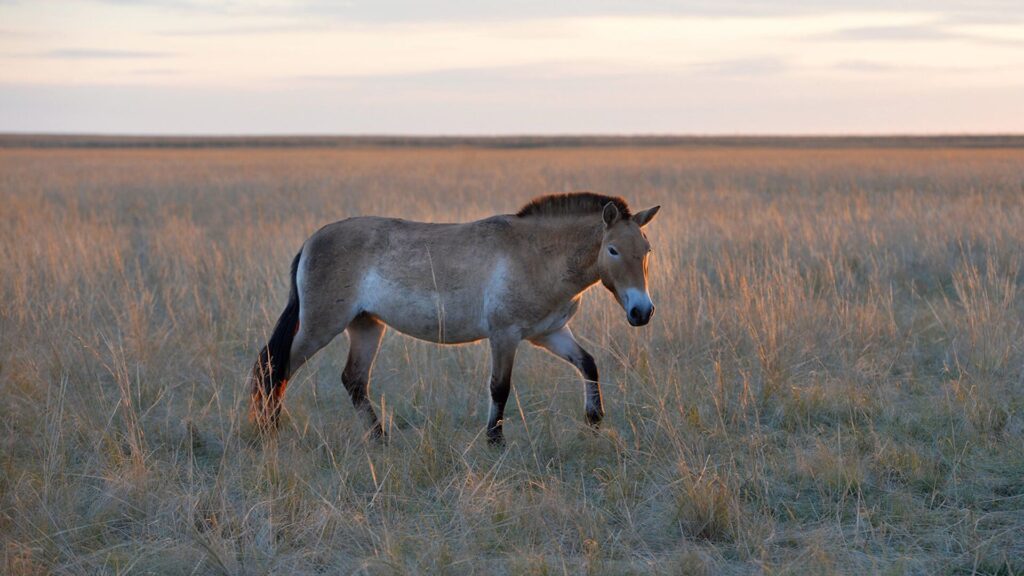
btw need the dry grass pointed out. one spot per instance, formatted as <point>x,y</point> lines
<point>832,382</point>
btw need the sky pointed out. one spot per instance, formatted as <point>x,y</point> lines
<point>505,68</point>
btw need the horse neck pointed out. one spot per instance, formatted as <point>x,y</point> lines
<point>576,243</point>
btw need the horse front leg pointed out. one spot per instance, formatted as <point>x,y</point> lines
<point>563,344</point>
<point>503,355</point>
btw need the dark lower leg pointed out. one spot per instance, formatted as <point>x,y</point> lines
<point>499,396</point>
<point>357,384</point>
<point>594,404</point>
<point>503,353</point>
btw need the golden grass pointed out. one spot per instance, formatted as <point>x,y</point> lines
<point>832,382</point>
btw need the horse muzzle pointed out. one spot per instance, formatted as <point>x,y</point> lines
<point>639,307</point>
<point>638,316</point>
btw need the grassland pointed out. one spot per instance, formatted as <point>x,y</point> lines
<point>832,383</point>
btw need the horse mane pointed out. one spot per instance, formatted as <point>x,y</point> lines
<point>571,204</point>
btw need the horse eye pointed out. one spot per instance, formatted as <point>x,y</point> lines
<point>613,251</point>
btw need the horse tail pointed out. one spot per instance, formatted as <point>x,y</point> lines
<point>270,372</point>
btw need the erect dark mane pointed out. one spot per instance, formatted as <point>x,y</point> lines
<point>571,204</point>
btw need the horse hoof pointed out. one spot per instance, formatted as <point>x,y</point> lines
<point>378,435</point>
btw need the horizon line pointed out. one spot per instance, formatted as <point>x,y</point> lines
<point>56,140</point>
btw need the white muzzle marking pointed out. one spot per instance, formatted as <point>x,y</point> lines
<point>638,306</point>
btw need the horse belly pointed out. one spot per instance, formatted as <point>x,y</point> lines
<point>450,318</point>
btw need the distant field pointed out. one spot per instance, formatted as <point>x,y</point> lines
<point>832,383</point>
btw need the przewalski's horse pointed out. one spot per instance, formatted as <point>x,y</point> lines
<point>506,278</point>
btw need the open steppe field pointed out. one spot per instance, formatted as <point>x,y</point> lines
<point>832,382</point>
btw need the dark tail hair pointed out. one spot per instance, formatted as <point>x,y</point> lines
<point>270,373</point>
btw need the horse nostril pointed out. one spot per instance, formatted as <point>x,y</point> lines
<point>634,313</point>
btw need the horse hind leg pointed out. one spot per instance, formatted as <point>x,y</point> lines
<point>309,323</point>
<point>307,340</point>
<point>364,334</point>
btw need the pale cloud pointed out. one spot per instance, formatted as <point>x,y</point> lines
<point>155,71</point>
<point>432,11</point>
<point>744,67</point>
<point>98,54</point>
<point>914,33</point>
<point>250,30</point>
<point>932,32</point>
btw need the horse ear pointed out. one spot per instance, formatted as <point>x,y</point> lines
<point>643,218</point>
<point>611,214</point>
